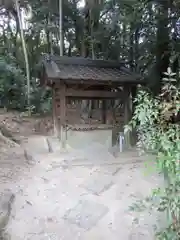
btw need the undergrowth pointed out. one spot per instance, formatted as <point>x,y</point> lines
<point>157,122</point>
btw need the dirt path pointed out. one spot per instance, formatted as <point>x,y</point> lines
<point>81,195</point>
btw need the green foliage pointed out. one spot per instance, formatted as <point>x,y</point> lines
<point>144,34</point>
<point>137,32</point>
<point>41,100</point>
<point>157,122</point>
<point>12,87</point>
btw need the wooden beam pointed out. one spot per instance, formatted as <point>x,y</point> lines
<point>125,81</point>
<point>93,94</point>
<point>127,110</point>
<point>104,111</point>
<point>55,115</point>
<point>62,92</point>
<point>127,113</point>
<point>134,133</point>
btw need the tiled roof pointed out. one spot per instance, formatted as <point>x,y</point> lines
<point>78,68</point>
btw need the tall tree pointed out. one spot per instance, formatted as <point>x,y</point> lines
<point>24,50</point>
<point>61,38</point>
<point>162,42</point>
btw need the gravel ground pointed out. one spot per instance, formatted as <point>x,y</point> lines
<point>80,194</point>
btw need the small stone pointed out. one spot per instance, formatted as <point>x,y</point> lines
<point>29,203</point>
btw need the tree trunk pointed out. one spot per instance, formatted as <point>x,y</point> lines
<point>61,39</point>
<point>87,31</point>
<point>25,51</point>
<point>86,52</point>
<point>162,45</point>
<point>136,49</point>
<point>49,34</point>
<point>131,51</point>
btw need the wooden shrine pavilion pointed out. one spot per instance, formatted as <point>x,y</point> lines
<point>83,78</point>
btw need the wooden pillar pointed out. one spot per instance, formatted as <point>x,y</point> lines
<point>62,96</point>
<point>90,109</point>
<point>55,112</point>
<point>127,113</point>
<point>134,133</point>
<point>103,111</point>
<point>117,129</point>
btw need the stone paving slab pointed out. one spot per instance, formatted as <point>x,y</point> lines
<point>111,169</point>
<point>97,183</point>
<point>56,230</point>
<point>52,204</point>
<point>86,214</point>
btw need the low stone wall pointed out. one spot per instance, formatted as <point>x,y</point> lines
<point>80,139</point>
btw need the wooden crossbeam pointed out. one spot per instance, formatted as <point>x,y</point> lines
<point>71,93</point>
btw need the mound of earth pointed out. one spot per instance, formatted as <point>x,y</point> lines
<point>19,124</point>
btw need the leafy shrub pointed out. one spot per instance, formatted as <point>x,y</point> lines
<point>158,129</point>
<point>13,89</point>
<point>41,99</point>
<point>12,84</point>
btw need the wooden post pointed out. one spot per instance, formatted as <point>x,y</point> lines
<point>104,111</point>
<point>127,113</point>
<point>62,96</point>
<point>55,113</point>
<point>134,133</point>
<point>117,129</point>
